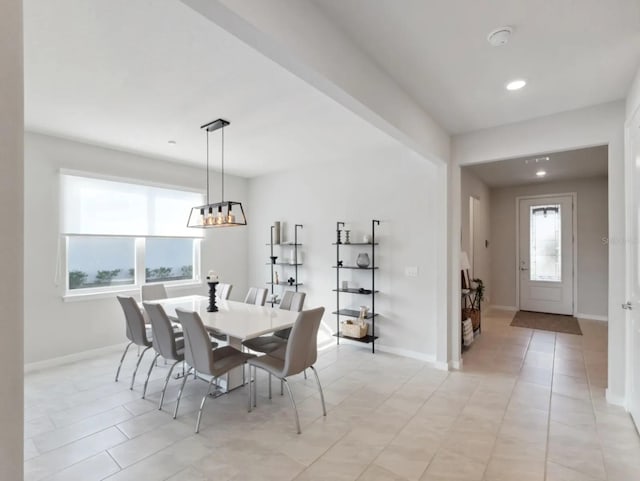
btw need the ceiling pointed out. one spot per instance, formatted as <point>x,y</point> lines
<point>134,74</point>
<point>572,53</point>
<point>571,164</point>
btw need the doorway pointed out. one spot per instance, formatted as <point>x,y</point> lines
<point>546,253</point>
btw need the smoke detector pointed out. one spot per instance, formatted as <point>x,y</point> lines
<point>500,36</point>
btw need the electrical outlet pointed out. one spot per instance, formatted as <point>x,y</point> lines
<point>411,271</point>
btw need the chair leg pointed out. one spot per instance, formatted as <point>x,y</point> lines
<point>122,359</point>
<point>324,409</point>
<point>204,398</point>
<point>184,380</point>
<point>250,389</point>
<point>269,385</point>
<point>146,381</point>
<point>166,381</point>
<point>281,388</point>
<point>135,371</point>
<point>295,408</point>
<point>255,386</point>
<point>305,373</point>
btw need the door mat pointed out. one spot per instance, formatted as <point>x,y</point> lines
<point>547,322</point>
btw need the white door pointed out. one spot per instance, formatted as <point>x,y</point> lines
<point>546,254</point>
<point>634,263</point>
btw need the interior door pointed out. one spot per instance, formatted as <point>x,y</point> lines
<point>634,258</point>
<point>546,254</point>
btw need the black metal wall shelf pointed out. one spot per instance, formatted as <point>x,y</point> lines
<point>371,315</point>
<point>355,244</point>
<point>295,264</point>
<point>355,291</point>
<point>353,313</point>
<point>353,267</point>
<point>366,339</point>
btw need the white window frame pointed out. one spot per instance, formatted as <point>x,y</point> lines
<point>139,275</point>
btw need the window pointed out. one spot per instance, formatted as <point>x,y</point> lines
<point>545,243</point>
<point>94,262</point>
<point>121,235</point>
<point>169,260</point>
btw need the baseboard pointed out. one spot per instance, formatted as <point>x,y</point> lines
<point>503,308</point>
<point>420,356</point>
<point>615,399</point>
<point>71,358</point>
<point>456,365</point>
<point>591,317</point>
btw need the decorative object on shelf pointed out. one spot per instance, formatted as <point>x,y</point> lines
<point>363,260</point>
<point>217,214</point>
<point>364,310</point>
<point>347,235</point>
<point>345,285</point>
<point>364,291</point>
<point>277,280</point>
<point>273,298</point>
<point>212,307</point>
<point>478,286</point>
<point>357,330</point>
<point>339,232</point>
<point>339,263</point>
<point>366,239</point>
<point>276,232</point>
<point>291,281</point>
<point>273,259</point>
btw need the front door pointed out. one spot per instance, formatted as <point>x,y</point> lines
<point>634,277</point>
<point>545,247</point>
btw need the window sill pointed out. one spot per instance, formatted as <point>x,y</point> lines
<point>131,291</point>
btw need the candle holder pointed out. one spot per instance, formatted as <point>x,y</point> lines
<point>212,297</point>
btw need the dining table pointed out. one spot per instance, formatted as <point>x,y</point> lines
<point>237,320</point>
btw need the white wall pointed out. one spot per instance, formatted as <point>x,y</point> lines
<point>592,251</point>
<point>472,186</point>
<point>401,191</point>
<point>11,248</point>
<point>598,125</point>
<point>54,328</point>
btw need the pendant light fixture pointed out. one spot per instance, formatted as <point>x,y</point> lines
<point>225,213</point>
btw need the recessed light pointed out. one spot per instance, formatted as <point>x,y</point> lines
<point>172,142</point>
<point>516,84</point>
<point>541,173</point>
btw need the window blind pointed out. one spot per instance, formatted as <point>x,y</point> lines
<point>91,206</point>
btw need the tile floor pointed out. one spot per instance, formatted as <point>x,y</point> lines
<point>528,406</point>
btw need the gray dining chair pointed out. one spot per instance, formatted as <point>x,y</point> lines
<point>224,291</point>
<point>166,342</point>
<point>256,295</point>
<point>298,354</point>
<point>201,356</point>
<point>153,292</point>
<point>137,332</point>
<point>291,301</point>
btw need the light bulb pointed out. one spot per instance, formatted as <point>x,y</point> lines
<point>231,219</point>
<point>219,217</point>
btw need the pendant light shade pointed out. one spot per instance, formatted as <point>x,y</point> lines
<point>226,213</point>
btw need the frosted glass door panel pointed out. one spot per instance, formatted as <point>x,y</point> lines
<point>546,243</point>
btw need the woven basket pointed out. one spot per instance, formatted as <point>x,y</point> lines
<point>473,314</point>
<point>354,330</point>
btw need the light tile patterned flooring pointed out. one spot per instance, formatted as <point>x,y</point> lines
<point>528,406</point>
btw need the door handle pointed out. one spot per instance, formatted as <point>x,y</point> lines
<point>627,306</point>
<point>524,268</point>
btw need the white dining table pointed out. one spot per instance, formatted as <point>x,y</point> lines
<point>239,321</point>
